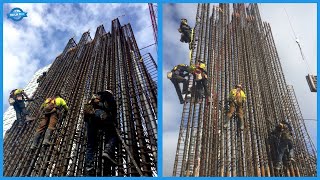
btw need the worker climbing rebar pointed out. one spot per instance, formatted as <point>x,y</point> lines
<point>16,99</point>
<point>283,135</point>
<point>41,78</point>
<point>201,79</point>
<point>100,113</point>
<point>185,31</point>
<point>236,101</point>
<point>52,111</point>
<point>177,75</point>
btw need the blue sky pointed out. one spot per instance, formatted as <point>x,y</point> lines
<point>304,22</point>
<point>36,40</point>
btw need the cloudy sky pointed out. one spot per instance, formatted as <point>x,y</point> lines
<point>36,40</point>
<point>303,19</point>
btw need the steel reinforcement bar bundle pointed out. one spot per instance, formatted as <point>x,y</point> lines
<point>238,47</point>
<point>111,60</point>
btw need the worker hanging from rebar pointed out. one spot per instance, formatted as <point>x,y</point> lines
<point>100,113</point>
<point>53,109</point>
<point>177,76</point>
<point>236,101</point>
<point>201,79</point>
<point>185,31</point>
<point>16,99</point>
<point>282,139</point>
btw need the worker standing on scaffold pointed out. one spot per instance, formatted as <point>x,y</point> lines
<point>100,113</point>
<point>185,31</point>
<point>177,76</point>
<point>236,100</point>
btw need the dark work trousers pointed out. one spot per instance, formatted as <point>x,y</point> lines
<point>185,33</point>
<point>179,79</point>
<point>202,85</point>
<point>93,126</point>
<point>185,38</point>
<point>283,145</point>
<point>21,111</point>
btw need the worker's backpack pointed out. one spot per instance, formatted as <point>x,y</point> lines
<point>12,97</point>
<point>50,106</point>
<point>169,75</point>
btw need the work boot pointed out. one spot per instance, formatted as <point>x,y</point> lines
<point>291,155</point>
<point>89,169</point>
<point>35,141</point>
<point>241,124</point>
<point>187,96</point>
<point>20,124</point>
<point>278,166</point>
<point>227,122</point>
<point>47,136</point>
<point>28,118</point>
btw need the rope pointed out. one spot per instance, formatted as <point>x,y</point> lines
<point>297,41</point>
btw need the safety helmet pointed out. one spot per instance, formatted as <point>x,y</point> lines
<point>95,96</point>
<point>57,94</point>
<point>192,68</point>
<point>109,91</point>
<point>202,65</point>
<point>238,86</point>
<point>184,21</point>
<point>283,122</point>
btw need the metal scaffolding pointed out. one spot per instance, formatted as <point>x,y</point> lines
<point>238,47</point>
<point>111,60</point>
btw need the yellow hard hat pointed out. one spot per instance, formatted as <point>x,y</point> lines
<point>192,68</point>
<point>202,65</point>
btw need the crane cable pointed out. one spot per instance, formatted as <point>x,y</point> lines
<point>297,41</point>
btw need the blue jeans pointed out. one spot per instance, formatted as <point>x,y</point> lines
<point>283,145</point>
<point>21,111</point>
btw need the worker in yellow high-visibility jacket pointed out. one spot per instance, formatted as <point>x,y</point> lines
<point>52,112</point>
<point>236,100</point>
<point>201,78</point>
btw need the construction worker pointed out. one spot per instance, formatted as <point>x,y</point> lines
<point>283,133</point>
<point>177,75</point>
<point>185,31</point>
<point>41,78</point>
<point>236,100</point>
<point>52,110</point>
<point>100,113</point>
<point>201,78</point>
<point>16,99</point>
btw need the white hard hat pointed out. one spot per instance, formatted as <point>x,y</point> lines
<point>109,91</point>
